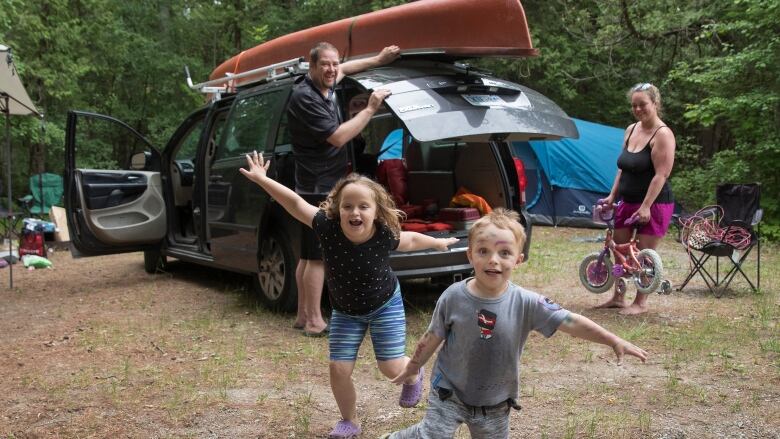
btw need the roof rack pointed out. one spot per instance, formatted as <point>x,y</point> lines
<point>228,84</point>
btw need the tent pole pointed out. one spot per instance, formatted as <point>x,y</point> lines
<point>40,191</point>
<point>10,219</point>
<point>554,214</point>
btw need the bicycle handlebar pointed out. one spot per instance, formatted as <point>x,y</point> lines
<point>605,213</point>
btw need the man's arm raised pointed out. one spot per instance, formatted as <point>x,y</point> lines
<point>386,56</point>
<point>351,128</point>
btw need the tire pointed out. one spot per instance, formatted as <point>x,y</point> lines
<point>652,271</point>
<point>274,282</point>
<point>154,261</point>
<point>596,279</point>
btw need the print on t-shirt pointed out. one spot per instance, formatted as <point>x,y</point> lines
<point>549,304</point>
<point>486,321</point>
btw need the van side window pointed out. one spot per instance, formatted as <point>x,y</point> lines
<point>249,124</point>
<point>283,140</point>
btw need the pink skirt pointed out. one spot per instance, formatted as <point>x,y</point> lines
<point>660,217</point>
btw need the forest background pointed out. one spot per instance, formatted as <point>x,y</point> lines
<point>715,61</point>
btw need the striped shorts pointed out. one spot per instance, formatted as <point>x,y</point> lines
<point>387,326</point>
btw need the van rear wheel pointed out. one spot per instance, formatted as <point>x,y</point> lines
<point>274,282</point>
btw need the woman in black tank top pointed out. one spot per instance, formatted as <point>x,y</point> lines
<point>641,182</point>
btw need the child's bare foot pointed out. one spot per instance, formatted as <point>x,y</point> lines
<point>634,309</point>
<point>613,303</point>
<point>617,301</point>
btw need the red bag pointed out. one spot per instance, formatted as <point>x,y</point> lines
<point>439,227</point>
<point>414,227</point>
<point>391,173</point>
<point>31,243</point>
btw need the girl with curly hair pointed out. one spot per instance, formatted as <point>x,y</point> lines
<point>357,225</point>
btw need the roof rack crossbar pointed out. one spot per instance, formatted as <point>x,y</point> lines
<point>289,66</point>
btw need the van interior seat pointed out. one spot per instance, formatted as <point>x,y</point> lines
<point>414,157</point>
<point>431,185</point>
<point>182,195</point>
<point>441,157</point>
<point>478,171</point>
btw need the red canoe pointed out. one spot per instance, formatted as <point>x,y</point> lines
<point>446,28</point>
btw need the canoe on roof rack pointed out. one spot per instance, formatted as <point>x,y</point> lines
<point>444,29</point>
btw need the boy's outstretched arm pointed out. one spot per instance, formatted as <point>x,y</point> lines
<point>295,205</point>
<point>585,328</point>
<point>425,349</point>
<point>411,241</point>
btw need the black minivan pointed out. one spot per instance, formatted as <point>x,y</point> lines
<point>188,201</point>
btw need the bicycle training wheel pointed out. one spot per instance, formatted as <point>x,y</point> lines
<point>597,278</point>
<point>651,271</point>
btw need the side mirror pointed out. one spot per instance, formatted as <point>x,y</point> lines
<point>140,161</point>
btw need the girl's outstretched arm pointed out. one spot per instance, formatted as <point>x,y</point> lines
<point>295,205</point>
<point>585,328</point>
<point>411,241</point>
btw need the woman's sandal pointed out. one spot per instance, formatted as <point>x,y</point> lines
<point>345,430</point>
<point>411,393</point>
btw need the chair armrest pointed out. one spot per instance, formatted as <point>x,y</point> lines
<point>757,217</point>
<point>26,201</point>
<point>710,212</point>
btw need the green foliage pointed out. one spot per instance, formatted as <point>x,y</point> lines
<point>716,63</point>
<point>736,85</point>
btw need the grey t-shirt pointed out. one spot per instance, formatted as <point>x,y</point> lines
<point>484,338</point>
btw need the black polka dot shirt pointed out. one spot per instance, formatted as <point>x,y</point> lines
<point>358,275</point>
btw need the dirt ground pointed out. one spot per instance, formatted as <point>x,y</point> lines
<point>98,348</point>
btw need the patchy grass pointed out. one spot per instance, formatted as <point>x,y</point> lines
<point>113,352</point>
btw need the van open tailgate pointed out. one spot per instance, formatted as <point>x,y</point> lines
<point>469,106</point>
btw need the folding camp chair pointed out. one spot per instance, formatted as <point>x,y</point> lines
<point>731,232</point>
<point>45,191</point>
<point>9,218</point>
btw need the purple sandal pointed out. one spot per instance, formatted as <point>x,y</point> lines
<point>345,430</point>
<point>411,393</point>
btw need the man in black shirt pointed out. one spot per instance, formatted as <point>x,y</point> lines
<point>318,136</point>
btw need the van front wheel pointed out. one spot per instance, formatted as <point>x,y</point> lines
<point>274,282</point>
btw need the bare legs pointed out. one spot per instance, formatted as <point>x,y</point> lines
<point>639,305</point>
<point>344,390</point>
<point>310,275</point>
<point>640,301</point>
<point>620,236</point>
<point>300,317</point>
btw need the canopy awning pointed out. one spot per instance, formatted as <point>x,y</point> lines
<point>18,102</point>
<point>14,100</point>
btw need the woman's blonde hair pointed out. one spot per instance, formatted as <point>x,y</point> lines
<point>386,212</point>
<point>651,91</point>
<point>503,219</point>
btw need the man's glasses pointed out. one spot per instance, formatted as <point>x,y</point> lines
<point>642,86</point>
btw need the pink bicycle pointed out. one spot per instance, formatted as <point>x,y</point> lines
<point>599,270</point>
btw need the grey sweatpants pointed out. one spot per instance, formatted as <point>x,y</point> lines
<point>444,417</point>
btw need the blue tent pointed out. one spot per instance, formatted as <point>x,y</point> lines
<point>566,177</point>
